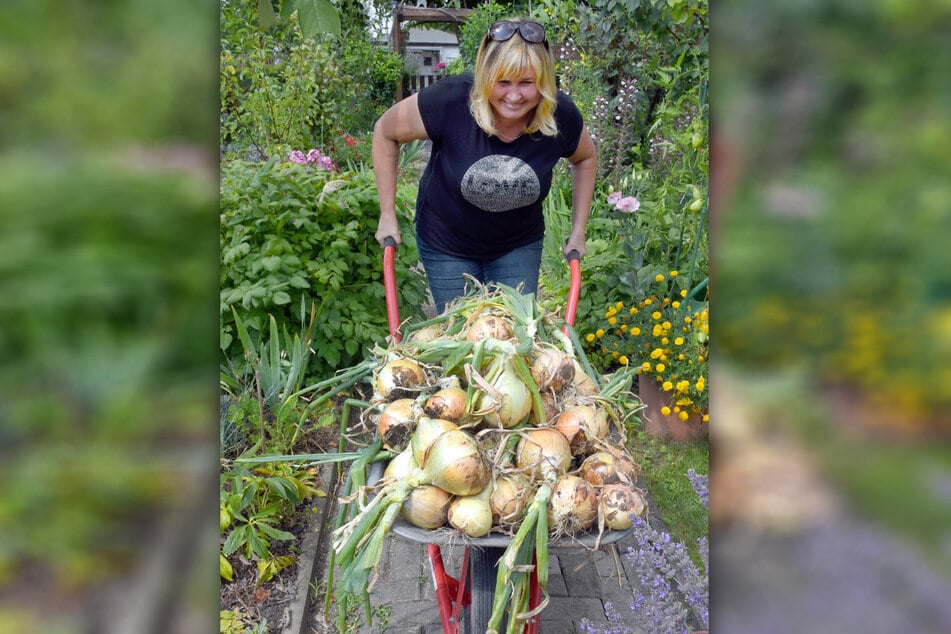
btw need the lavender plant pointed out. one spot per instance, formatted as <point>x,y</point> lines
<point>671,594</point>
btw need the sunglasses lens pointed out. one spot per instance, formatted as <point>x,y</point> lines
<point>502,30</point>
<point>532,32</point>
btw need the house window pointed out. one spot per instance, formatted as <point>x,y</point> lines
<point>427,61</point>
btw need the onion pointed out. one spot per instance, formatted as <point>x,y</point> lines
<point>619,503</point>
<point>509,498</point>
<point>628,469</point>
<point>580,423</point>
<point>427,430</point>
<point>425,334</point>
<point>552,369</point>
<point>516,400</point>
<point>448,403</point>
<point>426,506</point>
<point>584,385</point>
<point>401,465</point>
<point>472,514</point>
<point>543,451</point>
<point>396,423</point>
<point>454,463</point>
<point>489,327</point>
<point>397,378</point>
<point>573,506</point>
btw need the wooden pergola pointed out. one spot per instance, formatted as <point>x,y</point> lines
<point>419,14</point>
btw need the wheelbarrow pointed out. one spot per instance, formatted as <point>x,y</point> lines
<point>465,602</point>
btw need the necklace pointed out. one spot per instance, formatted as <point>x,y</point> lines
<point>507,138</point>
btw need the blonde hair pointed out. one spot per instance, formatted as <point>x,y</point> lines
<point>508,60</point>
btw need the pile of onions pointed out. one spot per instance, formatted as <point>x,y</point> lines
<point>513,436</point>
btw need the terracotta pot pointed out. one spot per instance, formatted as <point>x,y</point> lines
<point>666,427</point>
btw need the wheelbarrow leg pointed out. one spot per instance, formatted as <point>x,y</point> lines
<point>451,594</point>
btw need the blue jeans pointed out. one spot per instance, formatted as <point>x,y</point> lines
<point>445,272</point>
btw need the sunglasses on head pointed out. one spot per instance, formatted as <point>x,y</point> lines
<point>530,31</point>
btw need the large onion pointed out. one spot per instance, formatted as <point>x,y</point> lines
<point>543,451</point>
<point>509,498</point>
<point>573,507</point>
<point>489,327</point>
<point>512,401</point>
<point>619,504</point>
<point>428,430</point>
<point>472,514</point>
<point>426,506</point>
<point>396,423</point>
<point>580,423</point>
<point>454,463</point>
<point>448,403</point>
<point>552,369</point>
<point>398,378</point>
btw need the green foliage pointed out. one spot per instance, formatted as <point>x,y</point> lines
<point>282,88</point>
<point>475,27</point>
<point>289,232</point>
<point>278,92</point>
<point>254,503</point>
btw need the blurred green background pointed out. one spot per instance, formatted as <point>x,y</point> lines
<point>830,317</point>
<point>108,245</point>
<point>830,311</point>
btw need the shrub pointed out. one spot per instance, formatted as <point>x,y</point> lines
<point>291,231</point>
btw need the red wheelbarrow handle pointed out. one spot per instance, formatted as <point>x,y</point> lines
<point>574,290</point>
<point>389,287</point>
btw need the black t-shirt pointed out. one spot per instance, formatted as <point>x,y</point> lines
<point>480,197</point>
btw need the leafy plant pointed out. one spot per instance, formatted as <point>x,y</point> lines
<point>290,232</point>
<point>252,506</point>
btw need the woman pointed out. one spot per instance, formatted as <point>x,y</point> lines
<point>496,136</point>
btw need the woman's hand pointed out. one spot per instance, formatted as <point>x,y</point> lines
<point>574,243</point>
<point>388,227</point>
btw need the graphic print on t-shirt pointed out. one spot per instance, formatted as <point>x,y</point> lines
<point>500,183</point>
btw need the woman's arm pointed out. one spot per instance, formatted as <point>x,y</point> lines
<point>584,170</point>
<point>400,124</point>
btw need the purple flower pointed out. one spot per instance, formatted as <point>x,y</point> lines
<point>296,156</point>
<point>628,204</point>
<point>614,198</point>
<point>313,156</point>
